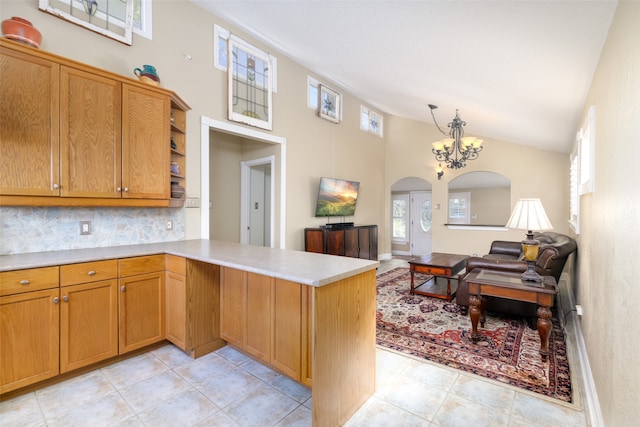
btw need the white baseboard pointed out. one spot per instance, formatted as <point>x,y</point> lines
<point>384,257</point>
<point>592,404</point>
<point>402,253</point>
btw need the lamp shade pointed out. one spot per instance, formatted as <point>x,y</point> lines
<point>529,215</point>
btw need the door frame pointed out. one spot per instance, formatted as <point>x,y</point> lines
<point>207,124</point>
<point>245,198</point>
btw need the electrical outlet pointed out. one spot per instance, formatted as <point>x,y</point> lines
<point>192,202</point>
<point>85,228</point>
<point>169,224</point>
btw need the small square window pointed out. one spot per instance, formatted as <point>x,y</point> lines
<point>370,121</point>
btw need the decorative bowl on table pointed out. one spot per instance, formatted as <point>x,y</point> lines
<point>21,30</point>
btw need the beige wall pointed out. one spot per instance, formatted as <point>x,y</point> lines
<point>533,173</point>
<point>609,239</point>
<point>608,244</point>
<point>314,148</point>
<point>489,206</point>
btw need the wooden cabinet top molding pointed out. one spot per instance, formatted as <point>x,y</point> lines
<point>4,43</point>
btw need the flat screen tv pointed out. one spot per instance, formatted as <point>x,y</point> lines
<point>337,197</point>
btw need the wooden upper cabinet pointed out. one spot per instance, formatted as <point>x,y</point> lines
<point>29,125</point>
<point>90,113</point>
<point>75,135</point>
<point>145,147</point>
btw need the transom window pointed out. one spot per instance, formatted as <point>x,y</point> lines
<point>370,121</point>
<point>221,45</point>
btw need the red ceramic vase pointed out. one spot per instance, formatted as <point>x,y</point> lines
<point>22,31</point>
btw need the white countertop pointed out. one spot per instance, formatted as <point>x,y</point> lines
<point>301,267</point>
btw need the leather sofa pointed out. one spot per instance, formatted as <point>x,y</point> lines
<point>554,251</point>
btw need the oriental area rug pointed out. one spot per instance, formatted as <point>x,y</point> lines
<point>435,330</point>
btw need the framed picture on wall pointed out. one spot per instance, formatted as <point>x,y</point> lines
<point>329,104</point>
<point>111,18</point>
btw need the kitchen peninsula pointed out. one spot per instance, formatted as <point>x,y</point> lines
<point>310,316</point>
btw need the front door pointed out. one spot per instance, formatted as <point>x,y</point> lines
<point>420,223</point>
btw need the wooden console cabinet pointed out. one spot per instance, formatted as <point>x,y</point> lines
<point>356,242</point>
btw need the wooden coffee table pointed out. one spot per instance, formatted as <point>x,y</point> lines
<point>439,265</point>
<point>509,285</point>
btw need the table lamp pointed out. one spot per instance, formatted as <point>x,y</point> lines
<point>529,215</point>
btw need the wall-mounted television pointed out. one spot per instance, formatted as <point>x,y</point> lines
<point>337,197</point>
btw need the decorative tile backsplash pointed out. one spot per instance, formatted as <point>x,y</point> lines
<point>39,229</point>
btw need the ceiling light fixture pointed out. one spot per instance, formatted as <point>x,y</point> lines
<point>456,149</point>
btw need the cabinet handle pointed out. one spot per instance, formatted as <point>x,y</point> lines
<point>56,186</point>
<point>124,288</point>
<point>92,273</point>
<point>65,298</point>
<point>118,189</point>
<point>126,189</point>
<point>56,300</point>
<point>25,282</point>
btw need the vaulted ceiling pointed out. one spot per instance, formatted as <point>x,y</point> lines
<point>518,71</point>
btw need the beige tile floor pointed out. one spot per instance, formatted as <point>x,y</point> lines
<point>164,387</point>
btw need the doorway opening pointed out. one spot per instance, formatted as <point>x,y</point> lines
<point>257,210</point>
<point>277,210</point>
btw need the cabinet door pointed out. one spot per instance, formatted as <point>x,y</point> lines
<point>351,246</point>
<point>145,144</point>
<point>90,135</point>
<point>257,316</point>
<point>142,308</point>
<point>29,131</point>
<point>287,328</point>
<point>233,291</point>
<point>203,309</point>
<point>313,240</point>
<point>176,296</point>
<point>88,323</point>
<point>364,243</point>
<point>334,241</point>
<point>29,338</point>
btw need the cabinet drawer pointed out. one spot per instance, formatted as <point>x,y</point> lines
<point>88,272</point>
<point>140,265</point>
<point>33,279</point>
<point>430,270</point>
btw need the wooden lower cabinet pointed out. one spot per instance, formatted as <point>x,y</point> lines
<point>263,316</point>
<point>88,324</point>
<point>193,305</point>
<point>141,302</point>
<point>286,352</point>
<point>29,326</point>
<point>88,313</point>
<point>28,338</point>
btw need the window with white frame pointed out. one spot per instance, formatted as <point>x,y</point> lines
<point>312,93</point>
<point>142,18</point>
<point>370,121</point>
<point>221,46</point>
<point>400,215</point>
<point>459,208</point>
<point>587,152</point>
<point>574,189</point>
